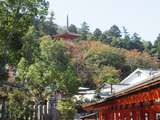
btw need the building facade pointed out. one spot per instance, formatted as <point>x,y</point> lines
<point>140,101</point>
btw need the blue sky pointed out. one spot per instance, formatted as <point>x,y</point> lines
<point>141,16</point>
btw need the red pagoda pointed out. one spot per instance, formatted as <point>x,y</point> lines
<point>68,36</point>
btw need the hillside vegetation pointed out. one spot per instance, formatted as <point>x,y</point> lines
<point>97,62</point>
<point>44,67</point>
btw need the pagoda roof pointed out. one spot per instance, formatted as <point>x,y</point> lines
<point>66,35</point>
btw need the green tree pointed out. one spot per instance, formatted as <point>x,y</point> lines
<point>97,34</point>
<point>30,45</point>
<point>104,64</point>
<point>106,38</point>
<point>67,109</point>
<point>84,30</point>
<point>15,19</point>
<point>156,41</point>
<point>72,28</point>
<point>113,32</point>
<point>117,42</point>
<point>108,74</point>
<point>136,42</point>
<point>147,46</point>
<point>20,105</point>
<point>157,46</point>
<point>126,40</point>
<point>107,58</point>
<point>49,27</point>
<point>50,70</point>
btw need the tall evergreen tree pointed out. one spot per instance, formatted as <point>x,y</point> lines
<point>84,30</point>
<point>136,42</point>
<point>97,34</point>
<point>49,27</point>
<point>106,38</point>
<point>114,31</point>
<point>72,28</point>
<point>157,41</point>
<point>147,46</point>
<point>157,46</point>
<point>126,40</point>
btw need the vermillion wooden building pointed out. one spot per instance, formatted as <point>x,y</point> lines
<point>138,102</point>
<point>67,36</point>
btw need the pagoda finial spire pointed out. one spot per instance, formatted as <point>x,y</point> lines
<point>67,22</point>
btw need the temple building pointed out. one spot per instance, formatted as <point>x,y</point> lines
<point>139,75</point>
<point>140,100</point>
<point>67,35</point>
<point>85,95</point>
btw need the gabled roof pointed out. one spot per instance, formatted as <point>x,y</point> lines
<point>145,72</point>
<point>151,81</point>
<point>129,81</point>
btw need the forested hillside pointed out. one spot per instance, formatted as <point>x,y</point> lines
<point>97,62</point>
<point>44,66</point>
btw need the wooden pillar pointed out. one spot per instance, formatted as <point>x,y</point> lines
<point>134,115</point>
<point>152,115</point>
<point>105,115</point>
<point>111,115</point>
<point>127,115</point>
<point>117,115</point>
<point>114,115</point>
<point>100,115</point>
<point>142,117</point>
<point>108,116</point>
<point>122,116</point>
